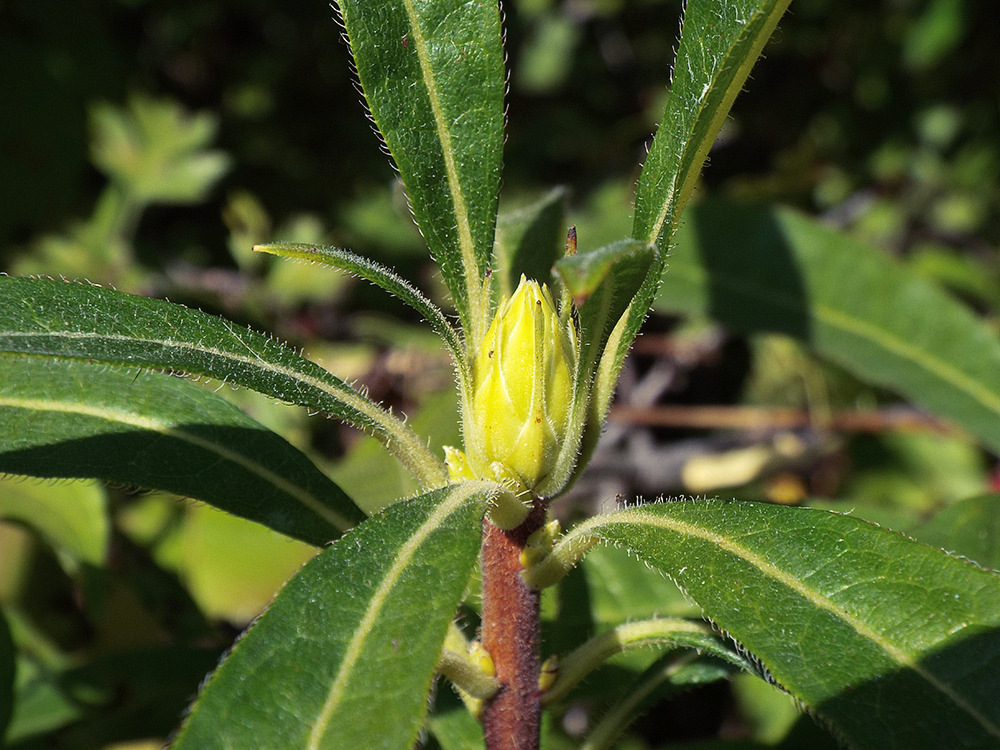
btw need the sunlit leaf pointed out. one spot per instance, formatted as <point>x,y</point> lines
<point>345,655</point>
<point>895,644</point>
<point>433,77</point>
<point>71,419</point>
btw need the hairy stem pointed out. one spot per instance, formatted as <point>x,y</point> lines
<point>511,635</point>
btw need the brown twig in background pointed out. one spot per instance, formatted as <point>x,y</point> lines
<point>758,418</point>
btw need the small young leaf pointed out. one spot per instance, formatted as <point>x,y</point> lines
<point>530,240</point>
<point>756,269</point>
<point>379,275</point>
<point>71,419</point>
<point>433,76</point>
<point>345,655</point>
<point>602,284</point>
<point>47,318</point>
<point>895,644</point>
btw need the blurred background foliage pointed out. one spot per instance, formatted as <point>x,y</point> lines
<point>148,144</point>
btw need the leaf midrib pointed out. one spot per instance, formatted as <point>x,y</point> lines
<point>355,648</point>
<point>819,600</point>
<point>299,494</point>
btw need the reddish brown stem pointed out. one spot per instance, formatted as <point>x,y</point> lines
<point>510,634</point>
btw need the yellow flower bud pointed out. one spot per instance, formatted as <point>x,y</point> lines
<point>522,388</point>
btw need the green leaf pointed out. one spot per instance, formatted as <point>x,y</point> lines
<point>379,275</point>
<point>667,676</point>
<point>43,317</point>
<point>233,568</point>
<point>895,644</point>
<point>664,633</point>
<point>155,151</point>
<point>720,42</point>
<point>433,76</point>
<point>41,703</point>
<point>70,419</point>
<point>621,591</point>
<point>602,283</point>
<point>454,727</point>
<point>970,528</point>
<point>6,675</point>
<point>345,655</point>
<point>71,517</point>
<point>774,270</point>
<point>530,239</point>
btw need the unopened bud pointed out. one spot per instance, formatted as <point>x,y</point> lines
<point>522,387</point>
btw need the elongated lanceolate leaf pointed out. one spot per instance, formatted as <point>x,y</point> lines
<point>720,42</point>
<point>432,73</point>
<point>970,528</point>
<point>71,419</point>
<point>48,318</point>
<point>378,275</point>
<point>345,655</point>
<point>73,518</point>
<point>756,269</point>
<point>895,644</point>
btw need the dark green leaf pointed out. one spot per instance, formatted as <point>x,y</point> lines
<point>970,528</point>
<point>41,703</point>
<point>433,76</point>
<point>530,240</point>
<point>454,727</point>
<point>895,644</point>
<point>43,317</point>
<point>345,655</point>
<point>602,283</point>
<point>71,419</point>
<point>758,269</point>
<point>621,591</point>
